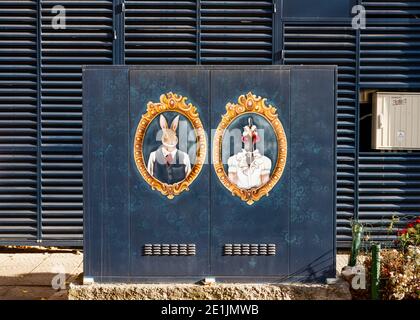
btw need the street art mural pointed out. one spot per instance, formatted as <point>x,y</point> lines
<point>250,173</point>
<point>169,167</point>
<point>249,168</point>
<point>168,164</point>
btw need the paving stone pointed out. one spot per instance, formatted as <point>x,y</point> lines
<point>21,263</point>
<point>37,268</point>
<point>3,292</point>
<point>15,269</point>
<point>28,275</point>
<point>29,293</point>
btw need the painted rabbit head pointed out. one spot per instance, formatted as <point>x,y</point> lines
<point>169,137</point>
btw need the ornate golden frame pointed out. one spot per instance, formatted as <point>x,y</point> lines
<point>176,103</point>
<point>250,103</point>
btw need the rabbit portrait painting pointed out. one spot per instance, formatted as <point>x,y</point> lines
<point>168,164</point>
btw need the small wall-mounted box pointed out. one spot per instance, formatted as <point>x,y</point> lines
<point>396,121</point>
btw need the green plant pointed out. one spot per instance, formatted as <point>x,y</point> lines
<point>357,232</point>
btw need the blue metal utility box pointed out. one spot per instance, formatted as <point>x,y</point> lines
<point>209,171</point>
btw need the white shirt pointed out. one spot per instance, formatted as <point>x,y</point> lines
<point>249,176</point>
<point>152,160</point>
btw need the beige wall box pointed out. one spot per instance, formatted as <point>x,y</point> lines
<point>396,121</point>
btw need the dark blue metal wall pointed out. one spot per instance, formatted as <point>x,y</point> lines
<point>124,216</point>
<point>40,92</point>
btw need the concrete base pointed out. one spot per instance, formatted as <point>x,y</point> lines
<point>337,291</point>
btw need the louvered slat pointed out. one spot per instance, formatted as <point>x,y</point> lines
<point>390,52</point>
<point>18,120</point>
<point>161,32</point>
<point>345,196</point>
<point>236,32</point>
<point>389,187</point>
<point>389,60</point>
<point>87,39</point>
<point>18,73</point>
<point>62,197</point>
<point>390,57</point>
<point>333,45</point>
<point>392,9</point>
<point>18,195</point>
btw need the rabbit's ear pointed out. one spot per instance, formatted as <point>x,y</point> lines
<point>174,124</point>
<point>163,122</point>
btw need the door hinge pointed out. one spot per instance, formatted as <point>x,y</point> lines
<point>115,34</point>
<point>274,6</point>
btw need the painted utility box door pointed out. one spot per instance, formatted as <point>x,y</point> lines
<point>194,172</point>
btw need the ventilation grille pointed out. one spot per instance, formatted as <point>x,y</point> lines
<point>18,196</point>
<point>346,171</point>
<point>392,9</point>
<point>161,32</point>
<point>249,249</point>
<point>389,60</point>
<point>169,250</point>
<point>389,187</point>
<point>62,195</point>
<point>18,68</point>
<point>390,57</point>
<point>236,32</point>
<point>329,45</point>
<point>18,120</point>
<point>87,39</point>
<point>333,45</point>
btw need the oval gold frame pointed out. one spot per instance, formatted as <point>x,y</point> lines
<point>175,103</point>
<point>250,103</point>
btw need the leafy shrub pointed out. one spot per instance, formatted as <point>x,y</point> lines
<point>400,269</point>
<point>400,272</point>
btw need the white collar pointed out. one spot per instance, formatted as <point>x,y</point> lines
<point>166,152</point>
<point>256,152</point>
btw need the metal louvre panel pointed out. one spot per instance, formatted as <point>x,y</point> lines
<point>333,45</point>
<point>62,195</point>
<point>389,60</point>
<point>236,32</point>
<point>390,56</point>
<point>161,32</point>
<point>390,51</point>
<point>389,187</point>
<point>18,120</point>
<point>345,196</point>
<point>87,39</point>
<point>329,45</point>
<point>18,73</point>
<point>18,195</point>
<point>392,9</point>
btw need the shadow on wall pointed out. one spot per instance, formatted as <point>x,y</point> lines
<point>316,270</point>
